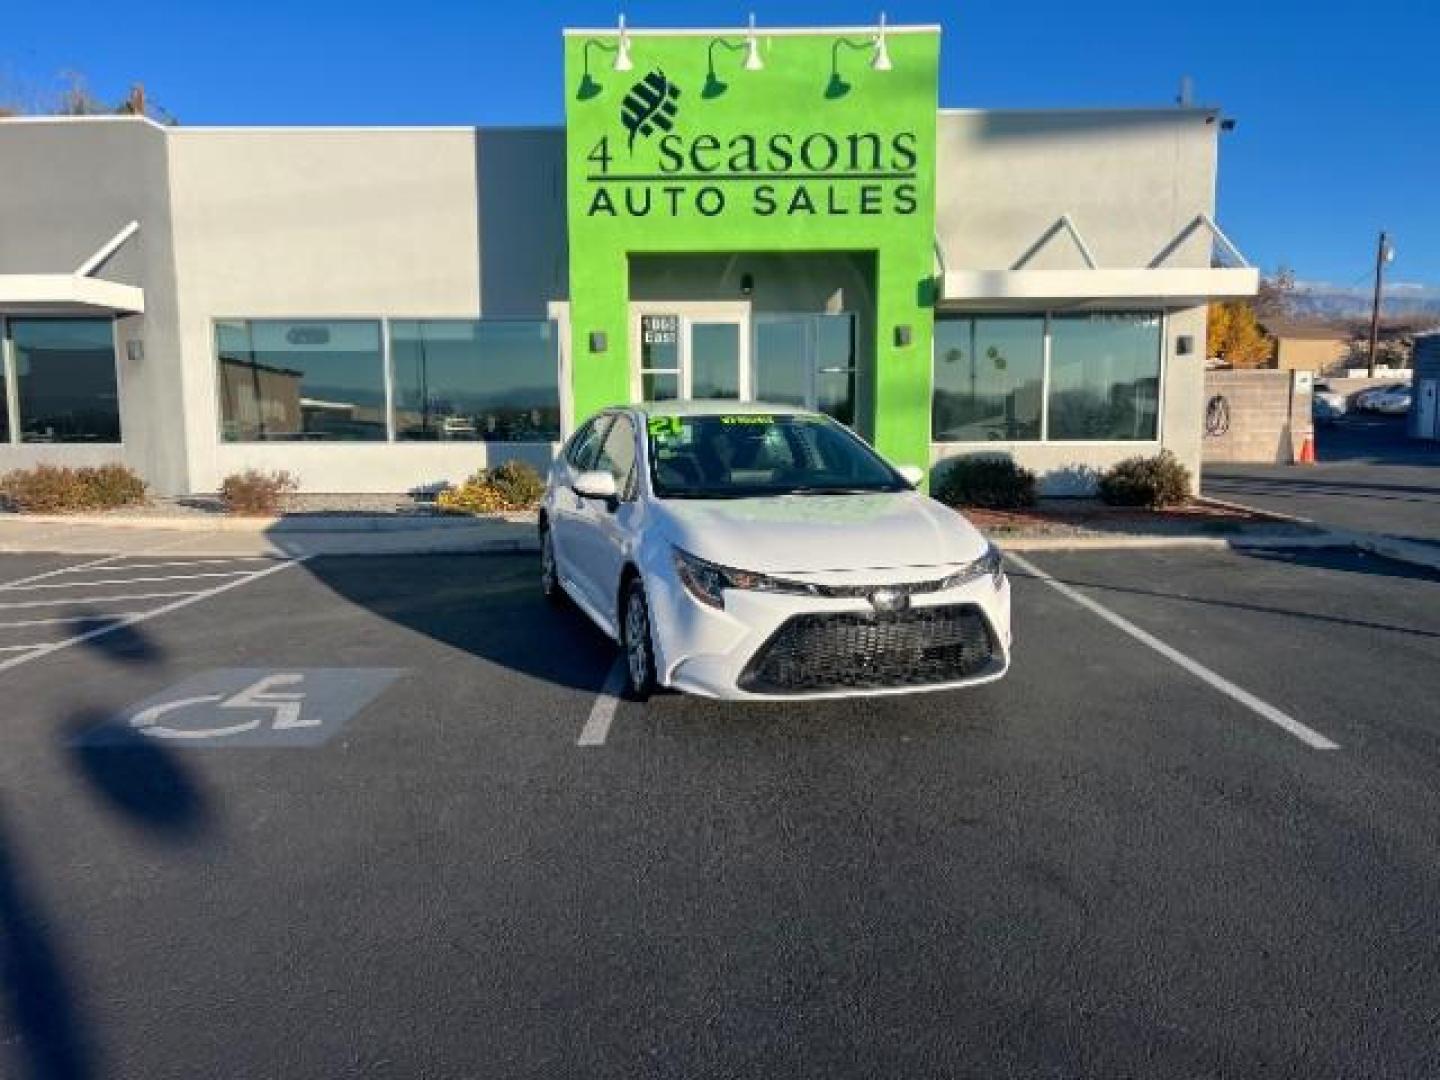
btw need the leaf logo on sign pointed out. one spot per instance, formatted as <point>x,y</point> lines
<point>650,104</point>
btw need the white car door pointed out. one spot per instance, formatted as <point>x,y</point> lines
<point>570,516</point>
<point>604,540</point>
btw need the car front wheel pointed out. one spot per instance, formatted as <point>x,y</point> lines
<point>549,576</point>
<point>638,643</point>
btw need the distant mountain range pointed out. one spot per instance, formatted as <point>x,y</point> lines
<point>1402,301</point>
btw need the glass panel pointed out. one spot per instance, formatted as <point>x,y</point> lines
<point>65,380</point>
<point>660,342</point>
<point>1104,375</point>
<point>988,377</point>
<point>470,380</point>
<point>617,455</point>
<point>781,359</point>
<point>835,366</point>
<point>4,394</point>
<point>301,381</point>
<point>715,360</point>
<point>659,385</point>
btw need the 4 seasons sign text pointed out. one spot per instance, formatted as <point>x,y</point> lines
<point>650,169</point>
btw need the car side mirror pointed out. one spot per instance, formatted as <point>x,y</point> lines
<point>596,484</point>
<point>913,474</point>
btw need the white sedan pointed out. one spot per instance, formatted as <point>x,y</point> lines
<point>763,552</point>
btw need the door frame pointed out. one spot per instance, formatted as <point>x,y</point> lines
<point>690,312</point>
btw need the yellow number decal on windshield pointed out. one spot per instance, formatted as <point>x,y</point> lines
<point>663,425</point>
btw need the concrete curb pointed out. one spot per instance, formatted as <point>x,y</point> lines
<point>1426,556</point>
<point>277,524</point>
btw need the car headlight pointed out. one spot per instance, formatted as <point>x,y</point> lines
<point>707,581</point>
<point>990,564</point>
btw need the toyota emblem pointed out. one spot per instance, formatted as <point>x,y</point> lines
<point>888,599</point>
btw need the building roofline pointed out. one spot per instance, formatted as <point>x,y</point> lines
<point>740,31</point>
<point>1080,110</point>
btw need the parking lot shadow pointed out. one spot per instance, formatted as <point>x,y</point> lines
<point>50,1042</point>
<point>128,644</point>
<point>489,606</point>
<point>137,776</point>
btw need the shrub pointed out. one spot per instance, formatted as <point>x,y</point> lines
<point>520,485</point>
<point>256,492</point>
<point>1154,482</point>
<point>512,485</point>
<point>54,489</point>
<point>113,485</point>
<point>991,483</point>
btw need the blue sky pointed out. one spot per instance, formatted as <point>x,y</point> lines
<point>1339,118</point>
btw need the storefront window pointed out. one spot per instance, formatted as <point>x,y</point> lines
<point>1104,376</point>
<point>988,377</point>
<point>310,381</point>
<point>805,360</point>
<point>472,380</point>
<point>659,357</point>
<point>65,384</point>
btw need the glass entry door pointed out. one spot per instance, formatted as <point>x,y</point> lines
<point>692,352</point>
<point>806,360</point>
<point>720,351</point>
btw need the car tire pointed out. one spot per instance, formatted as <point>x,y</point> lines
<point>549,573</point>
<point>637,642</point>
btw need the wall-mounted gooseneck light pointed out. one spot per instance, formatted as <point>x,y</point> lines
<point>589,88</point>
<point>753,62</point>
<point>879,50</point>
<point>622,54</point>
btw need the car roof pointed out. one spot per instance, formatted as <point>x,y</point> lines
<point>718,408</point>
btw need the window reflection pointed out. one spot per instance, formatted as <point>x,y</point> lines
<point>1105,376</point>
<point>473,380</point>
<point>988,375</point>
<point>65,384</point>
<point>312,381</point>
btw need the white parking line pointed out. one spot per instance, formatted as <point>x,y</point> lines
<point>602,713</point>
<point>130,620</point>
<point>177,562</point>
<point>69,619</point>
<point>21,648</point>
<point>71,601</point>
<point>18,582</point>
<point>1264,709</point>
<point>133,580</point>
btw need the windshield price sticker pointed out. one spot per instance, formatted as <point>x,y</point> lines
<point>747,418</point>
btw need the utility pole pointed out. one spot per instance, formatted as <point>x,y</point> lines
<point>1382,256</point>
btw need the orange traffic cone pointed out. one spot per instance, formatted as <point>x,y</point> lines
<point>1307,451</point>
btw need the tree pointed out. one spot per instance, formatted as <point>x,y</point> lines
<point>75,98</point>
<point>1233,335</point>
<point>1277,294</point>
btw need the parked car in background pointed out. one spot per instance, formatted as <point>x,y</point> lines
<point>1365,400</point>
<point>1326,404</point>
<point>1392,402</point>
<point>743,551</point>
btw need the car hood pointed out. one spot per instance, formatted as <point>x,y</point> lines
<point>816,533</point>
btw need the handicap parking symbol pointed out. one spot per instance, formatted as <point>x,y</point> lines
<point>249,707</point>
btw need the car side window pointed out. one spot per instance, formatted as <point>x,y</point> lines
<point>617,456</point>
<point>585,444</point>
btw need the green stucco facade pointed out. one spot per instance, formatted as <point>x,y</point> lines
<point>691,153</point>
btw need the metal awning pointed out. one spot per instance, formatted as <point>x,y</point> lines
<point>1169,286</point>
<point>1094,285</point>
<point>77,293</point>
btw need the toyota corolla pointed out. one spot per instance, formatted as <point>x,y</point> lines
<point>754,552</point>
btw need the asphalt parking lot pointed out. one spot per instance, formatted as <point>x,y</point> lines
<point>1370,476</point>
<point>408,858</point>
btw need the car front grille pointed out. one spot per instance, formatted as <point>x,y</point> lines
<point>857,650</point>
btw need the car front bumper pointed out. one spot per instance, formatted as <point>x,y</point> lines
<point>710,652</point>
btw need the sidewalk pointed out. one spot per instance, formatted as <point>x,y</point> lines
<point>391,534</point>
<point>304,534</point>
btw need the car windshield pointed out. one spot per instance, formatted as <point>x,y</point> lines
<point>752,454</point>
